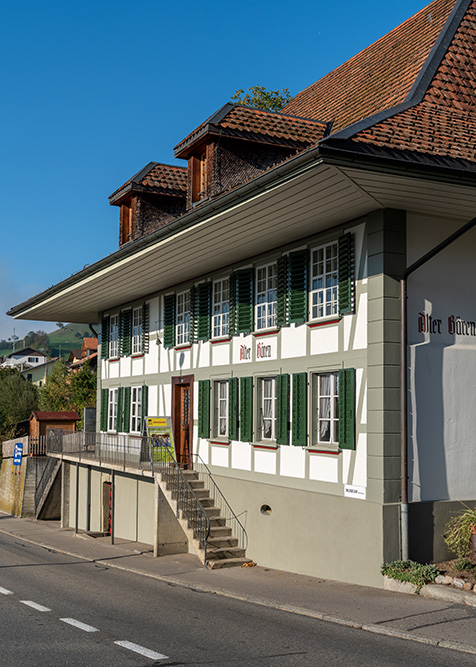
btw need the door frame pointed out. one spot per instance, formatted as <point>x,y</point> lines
<point>179,381</point>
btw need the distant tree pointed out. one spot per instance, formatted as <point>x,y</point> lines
<point>260,98</point>
<point>60,325</point>
<point>18,398</point>
<point>38,340</point>
<point>83,391</point>
<point>55,394</point>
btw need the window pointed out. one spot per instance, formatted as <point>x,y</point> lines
<point>221,409</point>
<point>137,331</point>
<point>32,360</point>
<point>327,408</point>
<point>221,306</point>
<point>183,318</point>
<point>114,336</point>
<point>136,409</point>
<point>324,280</point>
<point>126,222</point>
<point>112,410</point>
<point>199,177</point>
<point>268,409</point>
<point>266,297</point>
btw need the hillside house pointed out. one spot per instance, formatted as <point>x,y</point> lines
<point>255,300</point>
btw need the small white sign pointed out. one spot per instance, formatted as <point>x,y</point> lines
<point>351,491</point>
<point>242,350</point>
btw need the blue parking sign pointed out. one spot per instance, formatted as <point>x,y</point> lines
<point>17,454</point>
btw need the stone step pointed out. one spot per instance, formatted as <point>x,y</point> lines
<point>219,531</point>
<point>227,562</point>
<point>217,522</point>
<point>215,553</point>
<point>212,511</point>
<point>222,541</point>
<point>201,494</point>
<point>196,484</point>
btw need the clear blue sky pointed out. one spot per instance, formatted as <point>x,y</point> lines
<point>93,91</point>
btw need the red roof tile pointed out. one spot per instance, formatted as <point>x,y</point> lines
<point>156,178</point>
<point>444,122</point>
<point>240,122</point>
<point>90,344</point>
<point>377,78</point>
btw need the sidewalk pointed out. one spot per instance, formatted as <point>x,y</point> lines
<point>436,622</point>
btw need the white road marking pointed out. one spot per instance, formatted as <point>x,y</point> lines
<point>5,591</point>
<point>35,605</point>
<point>143,651</point>
<point>78,624</point>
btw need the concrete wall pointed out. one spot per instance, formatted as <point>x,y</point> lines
<point>18,484</point>
<point>442,386</point>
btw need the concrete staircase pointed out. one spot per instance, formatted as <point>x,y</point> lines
<point>222,549</point>
<point>48,492</point>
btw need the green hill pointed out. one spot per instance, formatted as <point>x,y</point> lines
<point>62,341</point>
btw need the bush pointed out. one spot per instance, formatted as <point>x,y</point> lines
<point>408,570</point>
<point>458,532</point>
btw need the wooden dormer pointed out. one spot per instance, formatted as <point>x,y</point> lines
<point>238,143</point>
<point>152,198</point>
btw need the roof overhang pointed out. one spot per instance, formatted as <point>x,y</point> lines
<point>303,196</point>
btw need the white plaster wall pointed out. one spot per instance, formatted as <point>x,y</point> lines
<point>325,339</point>
<point>114,368</point>
<point>221,354</point>
<point>442,379</point>
<point>324,468</point>
<point>265,461</point>
<point>293,341</point>
<point>153,401</point>
<point>292,462</point>
<point>240,455</point>
<point>219,456</point>
<point>151,359</point>
<point>125,367</point>
<point>137,366</point>
<point>201,354</point>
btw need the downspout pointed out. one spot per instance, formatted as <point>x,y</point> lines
<point>404,379</point>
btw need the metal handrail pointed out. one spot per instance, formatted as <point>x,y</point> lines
<point>227,513</point>
<point>192,509</point>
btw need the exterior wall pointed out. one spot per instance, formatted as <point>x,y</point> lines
<point>442,361</point>
<point>153,212</point>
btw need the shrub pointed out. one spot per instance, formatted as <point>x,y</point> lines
<point>458,532</point>
<point>408,570</point>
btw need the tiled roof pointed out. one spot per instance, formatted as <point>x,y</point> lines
<point>377,78</point>
<point>240,122</point>
<point>444,122</point>
<point>90,344</point>
<point>156,178</point>
<point>55,416</point>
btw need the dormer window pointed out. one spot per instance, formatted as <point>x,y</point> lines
<point>199,177</point>
<point>126,222</point>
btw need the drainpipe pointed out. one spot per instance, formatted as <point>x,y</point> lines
<point>404,379</point>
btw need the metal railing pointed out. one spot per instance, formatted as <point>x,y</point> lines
<point>192,509</point>
<point>45,478</point>
<point>219,500</point>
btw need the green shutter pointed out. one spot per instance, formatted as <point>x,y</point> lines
<point>191,302</point>
<point>145,328</point>
<point>126,333</point>
<point>169,320</point>
<point>282,416</point>
<point>244,307</point>
<point>120,414</point>
<point>298,296</point>
<point>246,409</point>
<point>104,406</point>
<point>144,408</point>
<point>346,274</point>
<point>232,305</point>
<point>105,337</point>
<point>282,291</point>
<point>204,311</point>
<point>347,408</point>
<point>126,409</point>
<point>233,408</point>
<point>204,408</point>
<point>299,425</point>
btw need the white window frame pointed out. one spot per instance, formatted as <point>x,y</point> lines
<point>221,399</point>
<point>268,406</point>
<point>112,409</point>
<point>114,336</point>
<point>326,408</point>
<point>221,308</point>
<point>137,325</point>
<point>266,296</point>
<point>136,409</point>
<point>324,291</point>
<point>182,327</point>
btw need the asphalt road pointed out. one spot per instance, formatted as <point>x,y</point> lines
<point>60,611</point>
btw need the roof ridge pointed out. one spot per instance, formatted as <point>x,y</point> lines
<point>423,79</point>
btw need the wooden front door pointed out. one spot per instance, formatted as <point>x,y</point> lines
<point>182,421</point>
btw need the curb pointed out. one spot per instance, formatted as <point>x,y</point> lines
<point>431,591</point>
<point>301,611</point>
